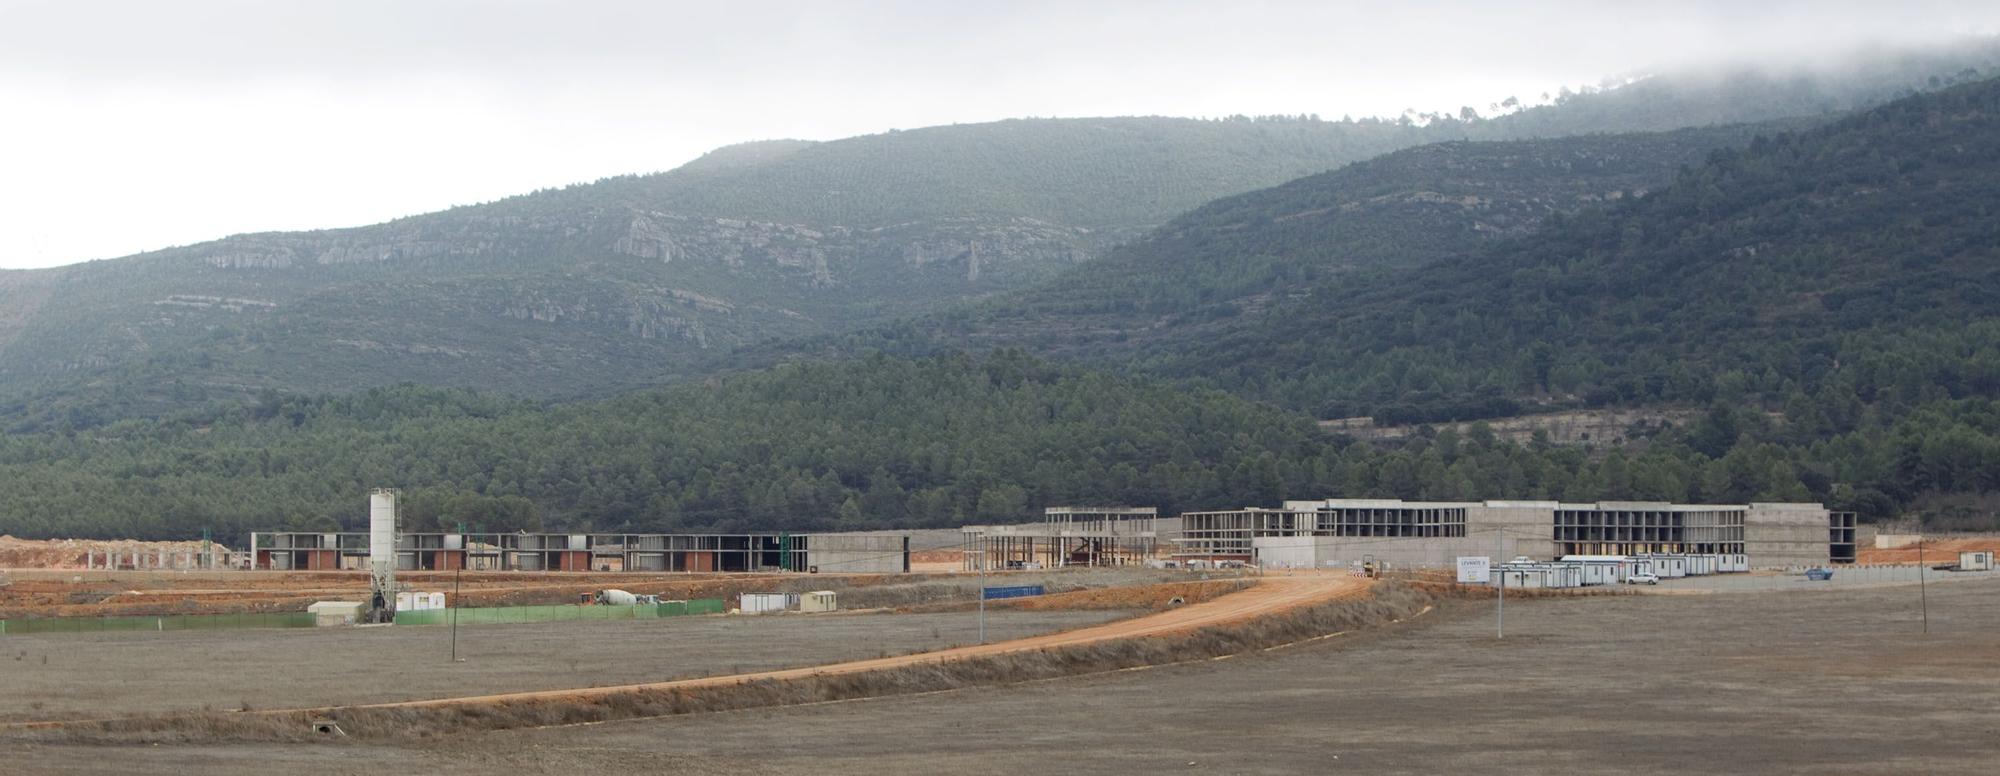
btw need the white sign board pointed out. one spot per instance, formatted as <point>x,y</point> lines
<point>1474,569</point>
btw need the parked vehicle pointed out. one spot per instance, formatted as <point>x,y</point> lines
<point>1642,578</point>
<point>1819,575</point>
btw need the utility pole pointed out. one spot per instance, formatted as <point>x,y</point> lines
<point>1500,602</point>
<point>456,585</point>
<point>982,597</point>
<point>1923,594</point>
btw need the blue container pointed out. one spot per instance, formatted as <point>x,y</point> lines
<point>1018,591</point>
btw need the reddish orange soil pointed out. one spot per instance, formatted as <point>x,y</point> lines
<point>1935,550</point>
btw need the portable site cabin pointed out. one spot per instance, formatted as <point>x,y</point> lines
<point>1552,575</point>
<point>1514,577</point>
<point>408,601</point>
<point>819,601</point>
<point>762,603</point>
<point>1617,568</point>
<point>1734,564</point>
<point>332,613</point>
<point>1668,566</point>
<point>1703,565</point>
<point>1598,573</point>
<point>1977,560</point>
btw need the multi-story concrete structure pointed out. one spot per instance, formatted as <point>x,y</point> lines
<point>1067,536</point>
<point>1410,533</point>
<point>589,552</point>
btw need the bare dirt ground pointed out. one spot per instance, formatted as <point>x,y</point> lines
<point>1934,551</point>
<point>66,675</point>
<point>1824,682</point>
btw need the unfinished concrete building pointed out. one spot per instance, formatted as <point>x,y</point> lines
<point>1067,536</point>
<point>846,553</point>
<point>1337,532</point>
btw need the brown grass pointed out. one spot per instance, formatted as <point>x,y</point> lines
<point>1388,601</point>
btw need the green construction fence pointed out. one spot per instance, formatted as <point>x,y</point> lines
<point>494,615</point>
<point>171,622</point>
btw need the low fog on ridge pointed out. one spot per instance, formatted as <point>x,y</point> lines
<point>141,125</point>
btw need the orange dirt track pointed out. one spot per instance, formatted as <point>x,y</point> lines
<point>1270,595</point>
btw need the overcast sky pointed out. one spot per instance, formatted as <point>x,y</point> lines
<point>131,126</point>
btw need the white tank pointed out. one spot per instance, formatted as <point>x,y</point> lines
<point>382,530</point>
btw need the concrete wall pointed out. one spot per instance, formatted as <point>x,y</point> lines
<point>1346,552</point>
<point>1522,528</point>
<point>1506,528</point>
<point>1776,535</point>
<point>1287,552</point>
<point>858,554</point>
<point>1890,541</point>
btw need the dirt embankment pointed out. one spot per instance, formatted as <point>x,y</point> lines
<point>1139,597</point>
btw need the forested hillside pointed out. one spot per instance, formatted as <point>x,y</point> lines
<point>884,442</point>
<point>1204,271</point>
<point>1858,258</point>
<point>869,443</point>
<point>599,288</point>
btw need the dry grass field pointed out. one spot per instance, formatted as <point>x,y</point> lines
<point>66,675</point>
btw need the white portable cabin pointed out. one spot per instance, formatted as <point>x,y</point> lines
<point>762,603</point>
<point>1976,560</point>
<point>1734,564</point>
<point>1519,577</point>
<point>819,601</point>
<point>333,613</point>
<point>1703,565</point>
<point>1599,573</point>
<point>1668,566</point>
<point>1616,568</point>
<point>1551,575</point>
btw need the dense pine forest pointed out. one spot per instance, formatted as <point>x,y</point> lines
<point>887,442</point>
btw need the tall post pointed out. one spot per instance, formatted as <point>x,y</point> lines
<point>1500,602</point>
<point>1923,594</point>
<point>982,598</point>
<point>456,585</point>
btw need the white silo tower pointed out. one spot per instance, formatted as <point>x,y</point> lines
<point>382,553</point>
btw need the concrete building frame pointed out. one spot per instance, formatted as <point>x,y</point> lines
<point>1067,536</point>
<point>347,550</point>
<point>1352,531</point>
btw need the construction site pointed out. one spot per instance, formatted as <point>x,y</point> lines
<point>1251,620</point>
